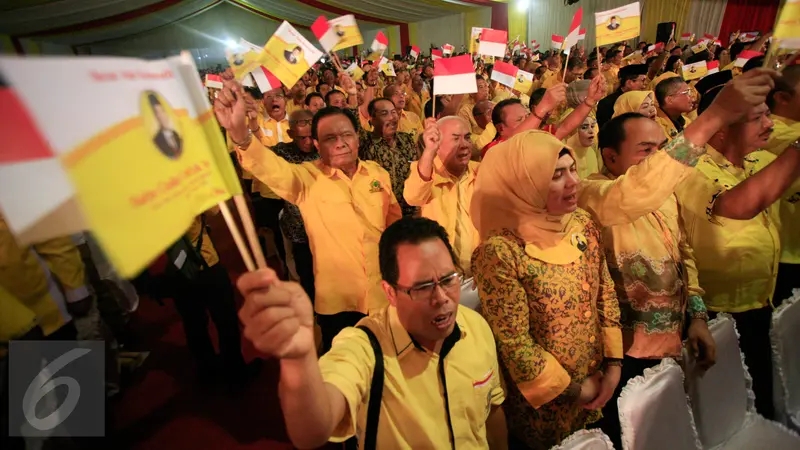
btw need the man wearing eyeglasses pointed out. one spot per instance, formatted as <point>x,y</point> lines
<point>675,101</point>
<point>409,122</point>
<point>299,150</point>
<point>441,378</point>
<point>631,78</point>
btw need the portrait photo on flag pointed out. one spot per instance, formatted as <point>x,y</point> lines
<point>346,28</point>
<point>695,71</point>
<point>493,42</point>
<point>618,24</point>
<point>454,76</point>
<point>244,58</point>
<point>523,81</point>
<point>355,72</point>
<point>288,55</point>
<point>475,39</point>
<point>136,140</point>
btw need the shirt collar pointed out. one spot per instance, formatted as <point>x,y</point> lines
<point>330,171</point>
<point>404,343</point>
<point>442,176</point>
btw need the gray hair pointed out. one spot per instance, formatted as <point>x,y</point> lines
<point>577,91</point>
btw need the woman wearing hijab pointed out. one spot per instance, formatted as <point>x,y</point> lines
<point>583,141</point>
<point>545,289</point>
<point>642,102</point>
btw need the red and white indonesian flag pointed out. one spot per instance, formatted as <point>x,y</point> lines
<point>36,195</point>
<point>748,37</point>
<point>582,34</point>
<point>447,49</point>
<point>713,67</point>
<point>213,81</point>
<point>535,45</point>
<point>378,46</point>
<point>436,54</point>
<point>744,56</point>
<point>557,42</point>
<point>574,29</point>
<point>708,39</point>
<point>686,37</point>
<point>414,52</point>
<point>493,42</point>
<point>454,76</point>
<point>325,34</point>
<point>655,47</point>
<point>265,80</point>
<point>504,73</point>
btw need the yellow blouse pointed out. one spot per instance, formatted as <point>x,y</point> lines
<point>553,324</point>
<point>785,132</point>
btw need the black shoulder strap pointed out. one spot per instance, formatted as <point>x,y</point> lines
<point>375,392</point>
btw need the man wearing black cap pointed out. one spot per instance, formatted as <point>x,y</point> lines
<point>631,78</point>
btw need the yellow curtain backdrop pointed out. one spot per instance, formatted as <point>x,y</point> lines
<point>393,34</point>
<point>657,11</point>
<point>517,24</point>
<point>412,35</point>
<point>473,19</point>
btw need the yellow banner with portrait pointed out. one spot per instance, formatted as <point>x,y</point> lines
<point>142,149</point>
<point>619,24</point>
<point>288,55</point>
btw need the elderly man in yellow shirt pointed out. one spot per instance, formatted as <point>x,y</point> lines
<point>408,122</point>
<point>738,259</point>
<point>784,102</point>
<point>442,182</point>
<point>468,102</point>
<point>345,203</point>
<point>482,112</point>
<point>421,373</point>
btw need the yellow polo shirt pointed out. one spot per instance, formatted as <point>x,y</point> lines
<point>552,80</point>
<point>737,260</point>
<point>364,121</point>
<point>416,101</point>
<point>446,200</point>
<point>291,106</point>
<point>410,123</point>
<point>666,123</point>
<point>487,135</point>
<point>413,409</point>
<point>344,219</point>
<point>465,112</point>
<point>272,132</point>
<point>785,132</point>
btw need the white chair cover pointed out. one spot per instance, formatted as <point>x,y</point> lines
<point>654,413</point>
<point>585,440</point>
<point>723,401</point>
<point>785,337</point>
<point>469,295</point>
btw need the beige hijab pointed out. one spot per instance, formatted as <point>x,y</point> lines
<point>511,192</point>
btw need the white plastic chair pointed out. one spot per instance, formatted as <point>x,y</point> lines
<point>724,403</point>
<point>785,337</point>
<point>654,413</point>
<point>585,440</point>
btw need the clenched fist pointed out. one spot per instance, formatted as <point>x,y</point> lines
<point>278,317</point>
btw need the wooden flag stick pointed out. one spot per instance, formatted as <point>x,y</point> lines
<point>237,237</point>
<point>250,231</point>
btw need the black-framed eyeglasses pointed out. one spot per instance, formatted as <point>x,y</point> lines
<point>301,122</point>
<point>424,292</point>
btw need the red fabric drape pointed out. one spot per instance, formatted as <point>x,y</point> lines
<point>499,16</point>
<point>748,15</point>
<point>404,39</point>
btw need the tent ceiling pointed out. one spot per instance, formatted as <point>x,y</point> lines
<point>82,22</point>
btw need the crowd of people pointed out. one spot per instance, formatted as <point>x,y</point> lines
<point>592,226</point>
